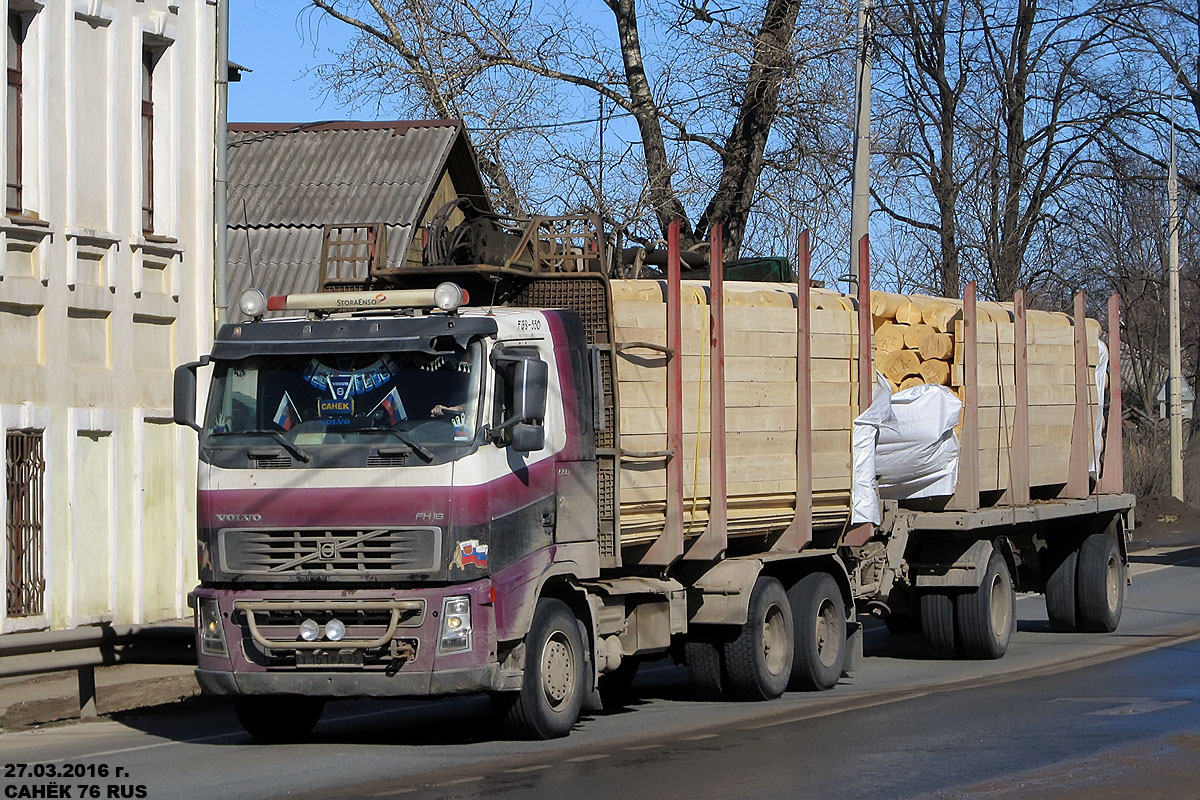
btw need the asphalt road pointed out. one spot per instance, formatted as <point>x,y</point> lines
<point>1066,715</point>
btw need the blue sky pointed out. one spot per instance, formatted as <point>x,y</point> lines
<point>278,42</point>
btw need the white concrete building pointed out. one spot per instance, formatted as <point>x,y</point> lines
<point>106,252</point>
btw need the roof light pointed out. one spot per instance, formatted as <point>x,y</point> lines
<point>359,301</point>
<point>253,303</point>
<point>449,296</point>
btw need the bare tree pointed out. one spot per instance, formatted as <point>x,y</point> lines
<point>696,113</point>
<point>928,53</point>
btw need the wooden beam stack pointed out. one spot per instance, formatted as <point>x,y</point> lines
<point>760,387</point>
<point>920,340</point>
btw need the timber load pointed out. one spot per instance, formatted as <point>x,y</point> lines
<point>920,340</point>
<point>916,340</point>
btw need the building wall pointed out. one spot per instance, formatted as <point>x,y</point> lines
<point>95,313</point>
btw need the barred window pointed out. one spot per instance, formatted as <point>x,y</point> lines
<point>24,474</point>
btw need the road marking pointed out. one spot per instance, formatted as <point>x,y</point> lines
<point>593,757</point>
<point>458,781</point>
<point>534,768</point>
<point>645,747</point>
<point>699,738</point>
<point>1141,707</point>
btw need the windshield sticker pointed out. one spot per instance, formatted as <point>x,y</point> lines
<point>286,416</point>
<point>392,406</point>
<point>334,408</point>
<point>343,385</point>
<point>470,552</point>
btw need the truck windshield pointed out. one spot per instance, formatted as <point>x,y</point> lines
<point>417,398</point>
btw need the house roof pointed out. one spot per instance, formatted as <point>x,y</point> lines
<point>287,180</point>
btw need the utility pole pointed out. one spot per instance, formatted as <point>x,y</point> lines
<point>861,206</point>
<point>1175,367</point>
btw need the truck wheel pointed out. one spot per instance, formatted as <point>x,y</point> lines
<point>548,704</point>
<point>1100,584</point>
<point>759,660</point>
<point>1060,594</point>
<point>937,623</point>
<point>819,614</point>
<point>278,718</point>
<point>987,616</point>
<point>705,667</point>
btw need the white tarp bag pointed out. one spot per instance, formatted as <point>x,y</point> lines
<point>1098,433</point>
<point>864,496</point>
<point>904,447</point>
<point>919,456</point>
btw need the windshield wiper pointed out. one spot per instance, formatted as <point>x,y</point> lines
<point>276,435</point>
<point>417,447</point>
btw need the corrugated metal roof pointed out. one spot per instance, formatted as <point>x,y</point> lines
<point>287,181</point>
<point>314,178</point>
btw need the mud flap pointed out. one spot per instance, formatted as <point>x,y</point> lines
<point>591,698</point>
<point>854,648</point>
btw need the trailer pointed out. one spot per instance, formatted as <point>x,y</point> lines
<point>487,478</point>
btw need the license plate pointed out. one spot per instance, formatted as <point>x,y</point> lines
<point>321,658</point>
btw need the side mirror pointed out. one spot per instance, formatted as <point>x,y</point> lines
<point>530,379</point>
<point>528,438</point>
<point>185,393</point>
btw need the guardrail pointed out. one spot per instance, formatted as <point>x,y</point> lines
<point>84,649</point>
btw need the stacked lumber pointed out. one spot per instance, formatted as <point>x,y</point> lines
<point>919,340</point>
<point>1050,349</point>
<point>914,338</point>
<point>760,399</point>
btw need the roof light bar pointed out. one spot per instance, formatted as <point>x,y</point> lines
<point>440,297</point>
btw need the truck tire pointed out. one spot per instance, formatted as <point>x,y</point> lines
<point>759,660</point>
<point>937,623</point>
<point>1060,594</point>
<point>278,718</point>
<point>547,707</point>
<point>706,668</point>
<point>987,617</point>
<point>819,614</point>
<point>1100,584</point>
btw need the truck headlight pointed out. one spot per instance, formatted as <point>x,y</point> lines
<point>456,624</point>
<point>212,633</point>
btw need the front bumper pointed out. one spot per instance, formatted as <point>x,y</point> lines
<point>400,659</point>
<point>358,684</point>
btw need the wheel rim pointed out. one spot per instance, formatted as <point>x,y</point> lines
<point>774,640</point>
<point>558,669</point>
<point>1112,583</point>
<point>1001,607</point>
<point>828,644</point>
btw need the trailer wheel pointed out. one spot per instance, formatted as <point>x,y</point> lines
<point>759,660</point>
<point>1060,594</point>
<point>987,616</point>
<point>705,667</point>
<point>1100,583</point>
<point>937,623</point>
<point>278,718</point>
<point>819,614</point>
<point>548,704</point>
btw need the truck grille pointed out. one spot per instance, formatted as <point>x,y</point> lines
<point>345,552</point>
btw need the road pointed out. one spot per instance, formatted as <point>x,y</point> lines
<point>1062,715</point>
